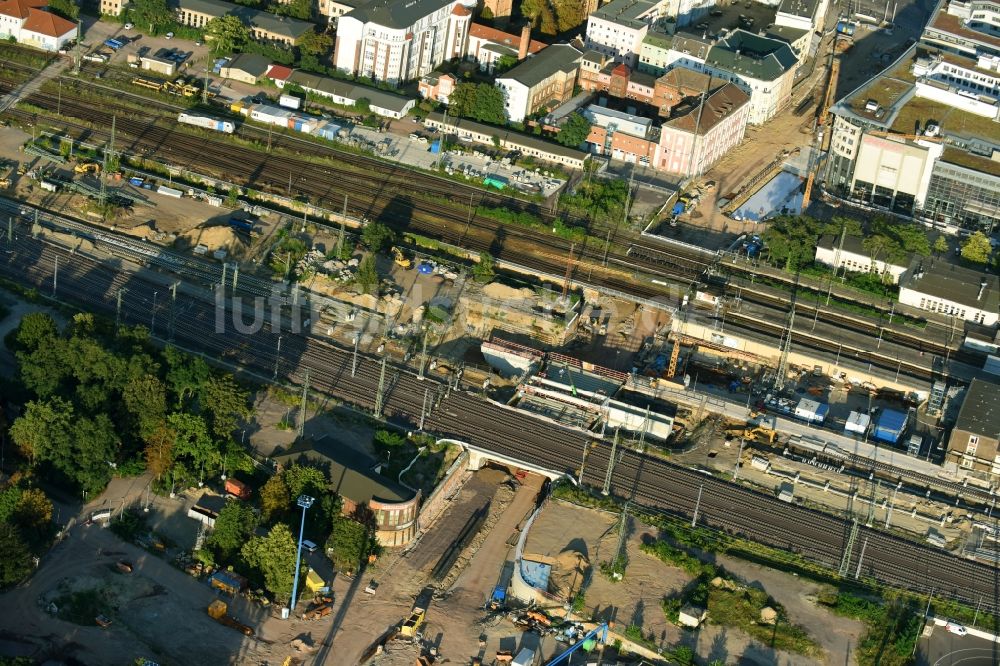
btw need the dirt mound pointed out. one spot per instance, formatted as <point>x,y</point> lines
<point>569,571</point>
<point>503,292</point>
<point>139,231</point>
<point>216,238</point>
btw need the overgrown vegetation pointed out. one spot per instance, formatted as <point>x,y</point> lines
<point>597,199</point>
<point>893,626</point>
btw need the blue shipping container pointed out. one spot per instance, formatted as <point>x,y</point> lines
<point>890,426</point>
<point>135,181</point>
<point>436,147</point>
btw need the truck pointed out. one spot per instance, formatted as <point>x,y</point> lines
<point>240,224</point>
<point>413,623</point>
<point>237,489</point>
<point>890,426</point>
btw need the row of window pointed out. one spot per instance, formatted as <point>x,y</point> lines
<point>944,308</point>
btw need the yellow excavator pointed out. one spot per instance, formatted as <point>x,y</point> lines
<point>754,433</point>
<point>87,167</point>
<point>400,258</point>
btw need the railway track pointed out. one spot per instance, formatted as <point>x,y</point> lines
<point>387,199</point>
<point>650,482</point>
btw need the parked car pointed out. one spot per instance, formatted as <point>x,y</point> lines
<point>129,26</point>
<point>169,35</point>
<point>956,628</point>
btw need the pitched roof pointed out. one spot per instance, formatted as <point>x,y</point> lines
<point>20,8</point>
<point>278,72</point>
<point>279,25</point>
<point>490,34</point>
<point>683,77</point>
<point>742,52</point>
<point>350,473</point>
<point>252,63</point>
<point>459,10</point>
<point>980,411</point>
<point>48,24</point>
<point>719,105</point>
<point>534,70</point>
<point>348,90</point>
<point>627,13</point>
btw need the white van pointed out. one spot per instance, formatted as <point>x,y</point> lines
<point>103,514</point>
<point>309,545</point>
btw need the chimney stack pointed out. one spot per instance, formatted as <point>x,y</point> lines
<point>522,51</point>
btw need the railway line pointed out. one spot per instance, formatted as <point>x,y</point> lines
<point>387,200</point>
<point>650,482</point>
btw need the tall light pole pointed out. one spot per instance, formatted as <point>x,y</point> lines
<point>354,360</point>
<point>305,502</point>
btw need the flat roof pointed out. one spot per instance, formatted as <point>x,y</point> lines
<point>854,245</point>
<point>952,121</point>
<point>966,159</point>
<point>280,25</point>
<point>980,411</point>
<point>396,14</point>
<point>626,12</point>
<point>510,136</point>
<point>945,22</point>
<point>955,283</point>
<point>805,8</point>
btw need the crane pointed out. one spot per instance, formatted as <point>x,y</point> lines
<point>600,632</point>
<point>824,143</point>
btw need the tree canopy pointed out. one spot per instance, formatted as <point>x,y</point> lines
<point>233,527</point>
<point>315,43</point>
<point>479,101</point>
<point>367,275</point>
<point>377,236</point>
<point>150,15</point>
<point>485,270</point>
<point>300,9</point>
<point>976,248</point>
<point>273,558</point>
<point>574,131</point>
<point>227,34</point>
<point>348,543</point>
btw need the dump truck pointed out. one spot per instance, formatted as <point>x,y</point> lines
<point>237,489</point>
<point>87,167</point>
<point>413,623</point>
<point>218,611</point>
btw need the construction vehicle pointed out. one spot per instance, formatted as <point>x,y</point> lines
<point>400,258</point>
<point>498,599</point>
<point>588,642</point>
<point>754,433</point>
<point>4,183</point>
<point>218,611</point>
<point>87,167</point>
<point>413,623</point>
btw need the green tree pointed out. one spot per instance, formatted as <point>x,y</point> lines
<point>485,270</point>
<point>574,130</point>
<point>367,276</point>
<point>504,63</point>
<point>226,34</point>
<point>233,527</point>
<point>15,558</point>
<point>159,451</point>
<point>348,543</point>
<point>300,9</point>
<point>35,330</point>
<point>478,101</point>
<point>226,403</point>
<point>377,236</point>
<point>305,480</point>
<point>33,516</point>
<point>791,240</point>
<point>186,374</point>
<point>486,14</point>
<point>145,399</point>
<point>389,439</point>
<point>363,105</point>
<point>65,8</point>
<point>940,244</point>
<point>274,498</point>
<point>150,15</point>
<point>976,248</point>
<point>273,556</point>
<point>316,43</point>
<point>193,442</point>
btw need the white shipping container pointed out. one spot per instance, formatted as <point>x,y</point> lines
<point>169,192</point>
<point>857,423</point>
<point>760,462</point>
<point>50,186</point>
<point>290,102</point>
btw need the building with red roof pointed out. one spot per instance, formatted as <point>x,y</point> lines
<point>29,22</point>
<point>488,45</point>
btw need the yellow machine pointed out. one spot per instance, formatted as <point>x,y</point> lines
<point>87,167</point>
<point>400,258</point>
<point>413,623</point>
<point>755,433</point>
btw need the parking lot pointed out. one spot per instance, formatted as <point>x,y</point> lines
<point>943,648</point>
<point>196,60</point>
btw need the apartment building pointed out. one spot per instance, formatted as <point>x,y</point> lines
<point>112,7</point>
<point>396,41</point>
<point>621,136</point>
<point>545,79</point>
<point>332,10</point>
<point>698,136</point>
<point>973,443</point>
<point>617,29</point>
<point>948,289</point>
<point>659,52</point>
<point>263,26</point>
<point>675,86</point>
<point>29,22</point>
<point>487,45</point>
<point>437,86</point>
<point>764,68</point>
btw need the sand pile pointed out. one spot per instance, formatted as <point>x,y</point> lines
<point>144,230</point>
<point>217,238</point>
<point>503,292</point>
<point>569,571</point>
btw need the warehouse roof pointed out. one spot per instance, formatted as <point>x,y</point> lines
<point>350,472</point>
<point>537,68</point>
<point>980,412</point>
<point>752,55</point>
<point>251,63</point>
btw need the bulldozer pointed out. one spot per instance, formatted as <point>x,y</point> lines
<point>87,167</point>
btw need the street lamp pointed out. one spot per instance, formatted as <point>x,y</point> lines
<point>305,502</point>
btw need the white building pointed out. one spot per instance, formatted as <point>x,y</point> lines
<point>29,22</point>
<point>763,67</point>
<point>952,290</point>
<point>400,41</point>
<point>806,15</point>
<point>618,28</point>
<point>852,257</point>
<point>547,78</point>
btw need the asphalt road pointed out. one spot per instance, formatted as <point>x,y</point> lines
<point>464,415</point>
<point>943,648</point>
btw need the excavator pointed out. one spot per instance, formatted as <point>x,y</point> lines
<point>87,167</point>
<point>754,433</point>
<point>400,258</point>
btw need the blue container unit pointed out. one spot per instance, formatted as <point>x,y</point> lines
<point>890,426</point>
<point>436,147</point>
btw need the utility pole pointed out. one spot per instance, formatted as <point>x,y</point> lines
<point>118,309</point>
<point>423,356</point>
<point>423,409</point>
<point>55,275</point>
<point>861,559</point>
<point>173,304</point>
<point>380,396</point>
<point>645,429</point>
<point>836,261</point>
<point>611,465</point>
<point>354,360</point>
<point>109,152</point>
<point>152,317</point>
<point>697,506</point>
<point>619,559</point>
<point>236,274</point>
<point>786,348</point>
<point>277,358</point>
<point>302,407</point>
<point>739,459</point>
<point>222,282</point>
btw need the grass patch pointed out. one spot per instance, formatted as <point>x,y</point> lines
<point>893,626</point>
